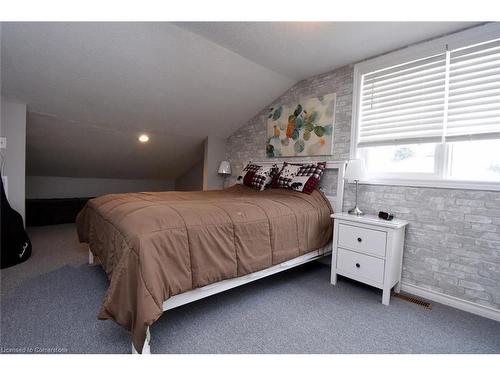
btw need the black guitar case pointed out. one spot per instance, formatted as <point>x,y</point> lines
<point>15,246</point>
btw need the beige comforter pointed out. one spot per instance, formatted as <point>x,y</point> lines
<point>156,245</point>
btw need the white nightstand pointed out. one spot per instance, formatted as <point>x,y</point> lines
<point>369,250</point>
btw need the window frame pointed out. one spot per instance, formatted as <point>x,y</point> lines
<point>464,38</point>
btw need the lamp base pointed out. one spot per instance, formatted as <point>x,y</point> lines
<point>355,211</point>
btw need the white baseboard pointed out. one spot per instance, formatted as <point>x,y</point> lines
<point>458,303</point>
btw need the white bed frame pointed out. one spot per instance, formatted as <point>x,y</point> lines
<point>221,286</point>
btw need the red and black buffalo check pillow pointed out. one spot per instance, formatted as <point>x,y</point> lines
<point>299,177</point>
<point>257,176</point>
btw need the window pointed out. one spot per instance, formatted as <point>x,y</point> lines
<point>477,160</point>
<point>432,113</point>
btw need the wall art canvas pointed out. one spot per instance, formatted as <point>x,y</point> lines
<point>301,129</point>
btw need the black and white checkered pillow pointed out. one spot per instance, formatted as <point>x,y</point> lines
<point>257,176</point>
<point>263,177</point>
<point>246,175</point>
<point>286,175</point>
<point>299,177</point>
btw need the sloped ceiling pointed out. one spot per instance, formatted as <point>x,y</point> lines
<point>92,88</point>
<point>112,81</point>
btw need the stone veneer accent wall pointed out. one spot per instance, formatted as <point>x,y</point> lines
<point>453,239</point>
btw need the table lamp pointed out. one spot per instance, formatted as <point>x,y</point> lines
<point>356,172</point>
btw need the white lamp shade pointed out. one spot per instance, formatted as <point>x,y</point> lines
<point>224,168</point>
<point>355,170</point>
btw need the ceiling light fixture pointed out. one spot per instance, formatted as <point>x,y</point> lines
<point>143,138</point>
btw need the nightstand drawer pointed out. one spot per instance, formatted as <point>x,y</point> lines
<point>356,265</point>
<point>362,239</point>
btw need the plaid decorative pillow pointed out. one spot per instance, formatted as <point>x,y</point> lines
<point>300,177</point>
<point>247,174</point>
<point>263,177</point>
<point>308,177</point>
<point>257,176</point>
<point>285,176</point>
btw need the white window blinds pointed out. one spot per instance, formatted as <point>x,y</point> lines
<point>451,96</point>
<point>403,104</point>
<point>474,92</point>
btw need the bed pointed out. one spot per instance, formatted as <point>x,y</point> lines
<point>162,250</point>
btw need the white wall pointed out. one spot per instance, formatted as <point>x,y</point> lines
<point>13,126</point>
<point>45,187</point>
<point>215,152</point>
<point>192,180</point>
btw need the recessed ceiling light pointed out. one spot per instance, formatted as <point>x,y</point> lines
<point>143,138</point>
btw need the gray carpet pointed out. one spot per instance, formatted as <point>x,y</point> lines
<point>51,302</point>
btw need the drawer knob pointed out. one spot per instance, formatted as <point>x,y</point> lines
<point>359,239</point>
<point>358,265</point>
